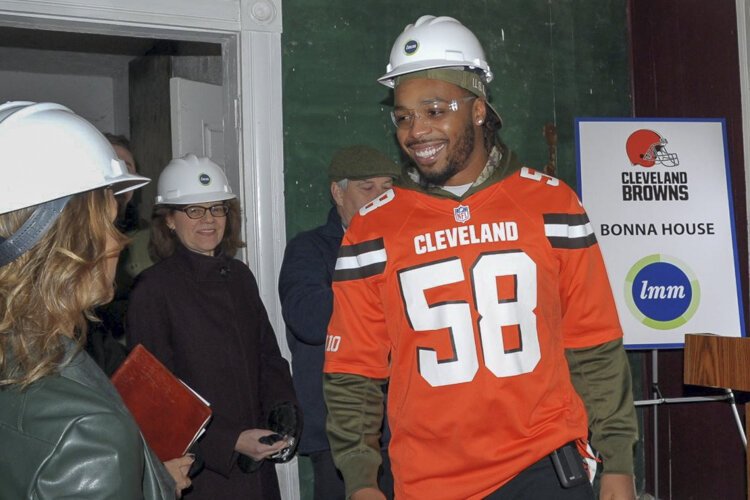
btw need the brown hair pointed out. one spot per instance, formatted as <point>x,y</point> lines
<point>490,130</point>
<point>123,142</point>
<point>49,292</point>
<point>118,140</point>
<point>164,241</point>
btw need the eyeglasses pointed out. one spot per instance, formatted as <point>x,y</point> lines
<point>431,112</point>
<point>197,211</point>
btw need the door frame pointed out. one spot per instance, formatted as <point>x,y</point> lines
<point>249,32</point>
<point>743,46</point>
<point>251,55</point>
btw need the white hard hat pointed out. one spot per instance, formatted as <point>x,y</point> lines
<point>48,152</point>
<point>191,179</point>
<point>435,42</point>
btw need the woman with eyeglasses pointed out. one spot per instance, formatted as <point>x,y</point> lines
<point>199,311</point>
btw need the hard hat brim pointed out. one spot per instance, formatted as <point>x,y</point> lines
<point>388,78</point>
<point>129,183</point>
<point>196,198</point>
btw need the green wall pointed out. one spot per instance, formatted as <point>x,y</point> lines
<point>553,60</point>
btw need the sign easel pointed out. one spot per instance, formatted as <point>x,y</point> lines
<point>658,194</point>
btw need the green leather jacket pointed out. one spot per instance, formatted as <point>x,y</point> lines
<point>70,436</point>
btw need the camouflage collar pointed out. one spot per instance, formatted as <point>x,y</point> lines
<point>501,162</point>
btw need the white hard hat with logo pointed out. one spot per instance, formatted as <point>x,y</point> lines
<point>47,155</point>
<point>48,152</point>
<point>191,179</point>
<point>435,42</point>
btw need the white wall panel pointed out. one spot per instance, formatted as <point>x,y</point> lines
<point>89,96</point>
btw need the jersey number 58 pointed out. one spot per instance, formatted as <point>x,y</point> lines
<point>494,314</point>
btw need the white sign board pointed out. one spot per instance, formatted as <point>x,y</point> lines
<point>658,195</point>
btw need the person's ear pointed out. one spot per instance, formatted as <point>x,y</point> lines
<point>169,219</point>
<point>479,112</point>
<point>337,193</point>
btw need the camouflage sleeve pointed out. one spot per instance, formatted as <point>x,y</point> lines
<point>355,415</point>
<point>601,375</point>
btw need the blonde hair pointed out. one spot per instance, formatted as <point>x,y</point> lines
<point>49,292</point>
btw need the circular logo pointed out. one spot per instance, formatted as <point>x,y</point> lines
<point>204,179</point>
<point>411,47</point>
<point>661,292</point>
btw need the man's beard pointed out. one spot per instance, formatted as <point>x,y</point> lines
<point>457,160</point>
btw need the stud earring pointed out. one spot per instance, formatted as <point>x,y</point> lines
<point>480,121</point>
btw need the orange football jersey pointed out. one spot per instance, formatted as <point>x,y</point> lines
<point>467,307</point>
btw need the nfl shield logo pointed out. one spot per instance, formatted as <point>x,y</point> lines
<point>461,214</point>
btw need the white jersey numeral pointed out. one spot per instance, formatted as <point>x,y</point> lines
<point>534,175</point>
<point>456,316</point>
<point>377,202</point>
<point>517,312</point>
<point>332,343</point>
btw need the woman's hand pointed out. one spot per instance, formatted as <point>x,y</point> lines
<point>248,444</point>
<point>178,468</point>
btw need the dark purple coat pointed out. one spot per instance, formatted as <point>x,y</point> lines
<point>203,318</point>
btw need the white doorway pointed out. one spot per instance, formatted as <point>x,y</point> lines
<point>197,121</point>
<point>248,34</point>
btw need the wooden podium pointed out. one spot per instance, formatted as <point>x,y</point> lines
<point>722,362</point>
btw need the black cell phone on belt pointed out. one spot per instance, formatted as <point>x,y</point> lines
<point>568,465</point>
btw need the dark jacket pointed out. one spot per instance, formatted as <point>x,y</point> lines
<point>203,318</point>
<point>69,435</point>
<point>306,304</point>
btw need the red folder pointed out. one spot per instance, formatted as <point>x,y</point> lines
<point>170,414</point>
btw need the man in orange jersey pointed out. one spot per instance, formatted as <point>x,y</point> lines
<point>478,290</point>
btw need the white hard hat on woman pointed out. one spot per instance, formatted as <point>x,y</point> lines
<point>191,179</point>
<point>48,153</point>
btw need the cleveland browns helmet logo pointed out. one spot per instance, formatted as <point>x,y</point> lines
<point>647,148</point>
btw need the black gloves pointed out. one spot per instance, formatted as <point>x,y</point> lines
<point>284,419</point>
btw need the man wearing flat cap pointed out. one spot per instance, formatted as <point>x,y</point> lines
<point>358,175</point>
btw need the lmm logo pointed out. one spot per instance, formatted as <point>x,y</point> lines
<point>661,292</point>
